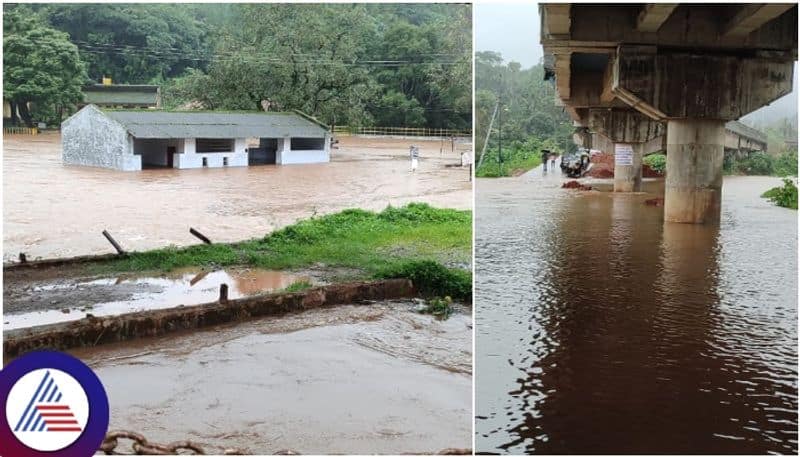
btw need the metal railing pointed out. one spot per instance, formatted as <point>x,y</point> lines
<point>343,130</point>
<point>20,130</point>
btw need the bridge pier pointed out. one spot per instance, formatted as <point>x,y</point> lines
<point>627,173</point>
<point>629,131</point>
<point>693,66</point>
<point>695,152</point>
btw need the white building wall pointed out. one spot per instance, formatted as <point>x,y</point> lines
<point>190,158</point>
<point>287,156</point>
<point>91,138</point>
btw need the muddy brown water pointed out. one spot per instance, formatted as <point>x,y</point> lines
<point>52,210</point>
<point>351,379</point>
<point>600,329</point>
<point>40,302</point>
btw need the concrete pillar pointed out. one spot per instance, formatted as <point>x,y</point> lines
<point>627,167</point>
<point>282,153</point>
<point>694,170</point>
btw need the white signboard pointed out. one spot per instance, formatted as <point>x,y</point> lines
<point>623,154</point>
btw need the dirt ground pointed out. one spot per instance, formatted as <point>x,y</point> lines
<point>53,210</point>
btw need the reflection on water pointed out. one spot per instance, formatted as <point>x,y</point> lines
<point>602,330</point>
<point>185,286</point>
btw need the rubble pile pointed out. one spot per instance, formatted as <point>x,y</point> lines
<point>575,185</point>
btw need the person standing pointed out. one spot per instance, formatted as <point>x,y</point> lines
<point>545,155</point>
<point>414,153</point>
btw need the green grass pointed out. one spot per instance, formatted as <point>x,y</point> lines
<point>785,196</point>
<point>439,307</point>
<point>298,286</point>
<point>514,162</point>
<point>432,279</point>
<point>658,162</point>
<point>378,244</point>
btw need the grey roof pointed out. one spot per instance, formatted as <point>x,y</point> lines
<point>210,124</point>
<point>120,95</point>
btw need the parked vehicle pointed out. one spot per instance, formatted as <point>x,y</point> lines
<point>577,163</point>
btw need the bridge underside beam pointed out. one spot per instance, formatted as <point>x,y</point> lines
<point>751,17</point>
<point>653,15</point>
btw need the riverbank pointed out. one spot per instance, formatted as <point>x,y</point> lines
<point>513,165</point>
<point>430,246</point>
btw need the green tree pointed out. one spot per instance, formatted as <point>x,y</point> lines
<point>266,58</point>
<point>358,64</point>
<point>42,69</point>
<point>135,43</point>
<point>531,121</point>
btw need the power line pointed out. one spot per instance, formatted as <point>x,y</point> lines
<point>232,56</point>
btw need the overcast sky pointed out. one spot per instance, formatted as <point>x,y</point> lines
<point>511,29</point>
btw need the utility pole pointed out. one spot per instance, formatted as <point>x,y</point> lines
<point>488,134</point>
<point>500,135</point>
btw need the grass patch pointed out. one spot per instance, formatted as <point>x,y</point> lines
<point>432,278</point>
<point>373,242</point>
<point>439,307</point>
<point>515,161</point>
<point>785,196</point>
<point>298,286</point>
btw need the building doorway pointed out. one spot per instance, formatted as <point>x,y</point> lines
<point>170,156</point>
<point>265,153</point>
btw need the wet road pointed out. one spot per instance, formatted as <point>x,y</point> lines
<point>348,379</point>
<point>53,210</point>
<point>602,330</point>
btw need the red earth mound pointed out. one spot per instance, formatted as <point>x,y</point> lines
<point>603,167</point>
<point>648,172</point>
<point>575,185</point>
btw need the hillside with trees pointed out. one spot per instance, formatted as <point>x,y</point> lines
<point>346,64</point>
<point>528,116</point>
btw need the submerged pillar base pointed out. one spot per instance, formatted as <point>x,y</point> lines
<point>627,167</point>
<point>695,151</point>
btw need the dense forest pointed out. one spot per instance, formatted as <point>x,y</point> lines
<point>527,114</point>
<point>401,65</point>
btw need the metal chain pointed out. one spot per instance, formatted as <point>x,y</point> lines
<point>141,446</point>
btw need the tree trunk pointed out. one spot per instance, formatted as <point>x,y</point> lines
<point>25,114</point>
<point>14,117</point>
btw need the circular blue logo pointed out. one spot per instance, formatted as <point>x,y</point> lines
<point>55,407</point>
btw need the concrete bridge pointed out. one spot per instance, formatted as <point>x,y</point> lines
<point>740,141</point>
<point>670,76</point>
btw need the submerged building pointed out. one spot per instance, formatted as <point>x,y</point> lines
<point>135,139</point>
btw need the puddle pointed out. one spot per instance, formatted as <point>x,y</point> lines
<point>67,300</point>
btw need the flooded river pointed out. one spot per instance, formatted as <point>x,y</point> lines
<point>53,210</point>
<point>602,330</point>
<point>350,379</point>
